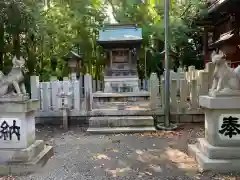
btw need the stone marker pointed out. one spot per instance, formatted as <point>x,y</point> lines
<point>19,151</point>
<point>220,149</point>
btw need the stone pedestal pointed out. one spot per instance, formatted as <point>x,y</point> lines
<point>19,151</point>
<point>219,150</point>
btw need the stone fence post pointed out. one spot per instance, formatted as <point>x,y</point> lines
<point>88,92</point>
<point>154,90</point>
<point>34,84</point>
<point>210,69</point>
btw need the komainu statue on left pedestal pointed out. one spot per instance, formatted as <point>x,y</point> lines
<point>12,84</point>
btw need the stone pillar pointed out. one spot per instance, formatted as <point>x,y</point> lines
<point>130,58</point>
<point>111,57</point>
<point>107,87</point>
<point>154,89</point>
<point>34,83</point>
<point>88,92</point>
<point>219,150</point>
<point>136,87</point>
<point>20,152</point>
<point>73,76</point>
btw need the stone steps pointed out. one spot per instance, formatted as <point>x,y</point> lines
<point>113,124</point>
<point>121,105</point>
<point>120,130</point>
<point>121,121</point>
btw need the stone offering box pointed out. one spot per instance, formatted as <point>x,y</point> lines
<point>19,151</point>
<point>220,149</point>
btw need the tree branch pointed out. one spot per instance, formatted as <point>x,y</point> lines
<point>113,10</point>
<point>187,8</point>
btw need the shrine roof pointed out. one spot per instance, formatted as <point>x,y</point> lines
<point>120,33</point>
<point>218,10</point>
<point>230,37</point>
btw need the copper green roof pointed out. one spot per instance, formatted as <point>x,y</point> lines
<point>120,33</point>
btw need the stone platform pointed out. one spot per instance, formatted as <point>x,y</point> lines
<point>28,160</point>
<point>121,113</point>
<point>120,101</point>
<point>219,150</point>
<point>19,151</point>
<point>111,97</point>
<point>124,104</point>
<point>217,159</point>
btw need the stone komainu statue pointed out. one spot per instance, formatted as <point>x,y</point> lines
<point>13,83</point>
<point>226,80</point>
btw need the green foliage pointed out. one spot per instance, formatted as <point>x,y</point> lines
<point>185,36</point>
<point>40,32</point>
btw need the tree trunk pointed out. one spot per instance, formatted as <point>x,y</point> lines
<point>16,45</point>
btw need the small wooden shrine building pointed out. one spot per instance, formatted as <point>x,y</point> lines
<point>121,43</point>
<point>221,29</point>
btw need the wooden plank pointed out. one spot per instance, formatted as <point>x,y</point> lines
<point>95,86</point>
<point>34,84</point>
<point>55,85</point>
<point>203,83</point>
<point>46,94</point>
<point>184,92</point>
<point>173,95</point>
<point>76,95</point>
<point>194,94</point>
<point>67,89</point>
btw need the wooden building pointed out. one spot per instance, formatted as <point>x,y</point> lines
<point>221,29</point>
<point>121,43</point>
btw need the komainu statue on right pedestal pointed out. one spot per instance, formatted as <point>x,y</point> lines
<point>226,80</point>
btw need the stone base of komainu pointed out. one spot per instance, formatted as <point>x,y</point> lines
<point>219,151</point>
<point>20,153</point>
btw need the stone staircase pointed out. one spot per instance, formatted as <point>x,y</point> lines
<point>121,124</point>
<point>120,113</point>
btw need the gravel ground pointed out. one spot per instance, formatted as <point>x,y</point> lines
<point>160,156</point>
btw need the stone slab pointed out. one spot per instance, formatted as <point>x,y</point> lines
<point>118,95</point>
<point>116,112</point>
<point>21,155</point>
<point>219,102</point>
<point>19,106</point>
<point>120,78</point>
<point>216,152</point>
<point>121,130</point>
<point>121,121</point>
<point>215,165</point>
<point>14,98</point>
<point>121,105</point>
<point>30,166</point>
